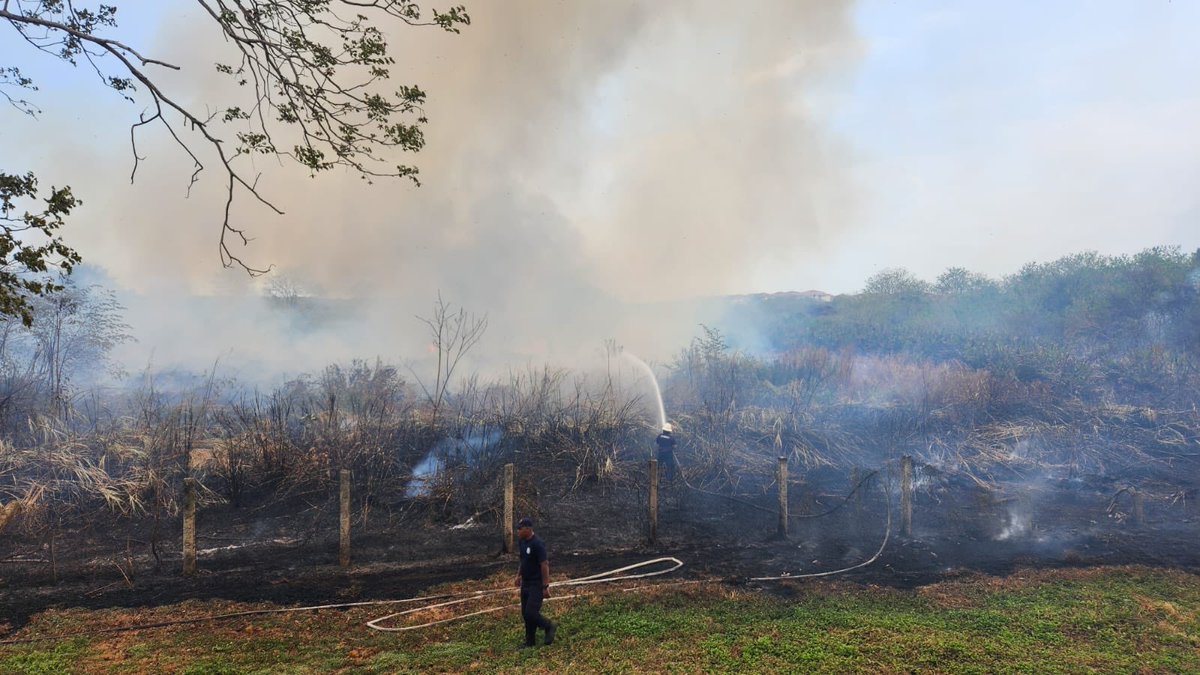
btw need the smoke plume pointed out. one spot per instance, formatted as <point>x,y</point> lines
<point>591,170</point>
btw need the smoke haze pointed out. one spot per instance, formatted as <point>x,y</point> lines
<point>592,165</point>
<point>584,161</point>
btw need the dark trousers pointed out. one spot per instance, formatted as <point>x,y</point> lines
<point>531,611</point>
<point>666,463</point>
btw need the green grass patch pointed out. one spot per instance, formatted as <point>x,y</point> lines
<point>50,659</point>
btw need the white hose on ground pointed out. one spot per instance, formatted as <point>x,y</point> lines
<point>812,575</point>
<point>462,596</point>
<point>886,535</point>
<point>465,596</point>
<point>602,577</point>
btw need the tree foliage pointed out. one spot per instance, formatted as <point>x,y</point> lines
<point>897,282</point>
<point>31,251</point>
<point>1089,323</point>
<point>316,74</point>
<point>69,345</point>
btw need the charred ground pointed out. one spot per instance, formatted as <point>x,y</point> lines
<point>286,553</point>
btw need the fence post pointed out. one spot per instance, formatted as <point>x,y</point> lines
<point>653,501</point>
<point>189,527</point>
<point>506,523</point>
<point>783,497</point>
<point>53,555</point>
<point>344,551</point>
<point>906,493</point>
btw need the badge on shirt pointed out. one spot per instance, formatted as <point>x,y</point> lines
<point>527,550</point>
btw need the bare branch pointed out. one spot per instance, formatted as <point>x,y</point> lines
<point>453,334</point>
<point>107,43</point>
<point>309,70</point>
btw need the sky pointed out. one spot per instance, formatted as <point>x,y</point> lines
<point>989,135</point>
<point>594,168</point>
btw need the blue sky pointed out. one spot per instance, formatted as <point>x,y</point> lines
<point>987,135</point>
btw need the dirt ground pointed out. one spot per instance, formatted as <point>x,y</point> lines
<point>286,553</point>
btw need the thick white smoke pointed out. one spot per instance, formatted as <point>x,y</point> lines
<point>584,162</point>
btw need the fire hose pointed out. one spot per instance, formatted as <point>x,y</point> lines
<point>845,500</point>
<point>600,578</point>
<point>451,599</point>
<point>607,576</point>
<point>812,575</point>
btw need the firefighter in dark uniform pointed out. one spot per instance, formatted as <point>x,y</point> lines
<point>533,578</point>
<point>666,452</point>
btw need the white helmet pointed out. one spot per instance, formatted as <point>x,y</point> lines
<point>667,428</point>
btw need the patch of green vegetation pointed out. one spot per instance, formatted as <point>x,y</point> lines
<point>48,658</point>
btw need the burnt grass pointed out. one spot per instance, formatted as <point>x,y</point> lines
<point>286,551</point>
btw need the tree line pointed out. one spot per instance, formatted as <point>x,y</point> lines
<point>1089,325</point>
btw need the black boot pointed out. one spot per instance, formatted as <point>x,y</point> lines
<point>550,634</point>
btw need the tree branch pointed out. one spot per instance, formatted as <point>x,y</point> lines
<point>311,70</point>
<point>18,19</point>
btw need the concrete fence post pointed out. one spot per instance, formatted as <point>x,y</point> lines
<point>783,497</point>
<point>506,523</point>
<point>344,548</point>
<point>189,527</point>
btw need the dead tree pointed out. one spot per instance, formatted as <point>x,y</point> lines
<point>454,333</point>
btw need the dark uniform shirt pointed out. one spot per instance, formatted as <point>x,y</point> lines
<point>533,554</point>
<point>666,443</point>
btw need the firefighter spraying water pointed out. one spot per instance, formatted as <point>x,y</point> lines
<point>665,445</point>
<point>665,442</point>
